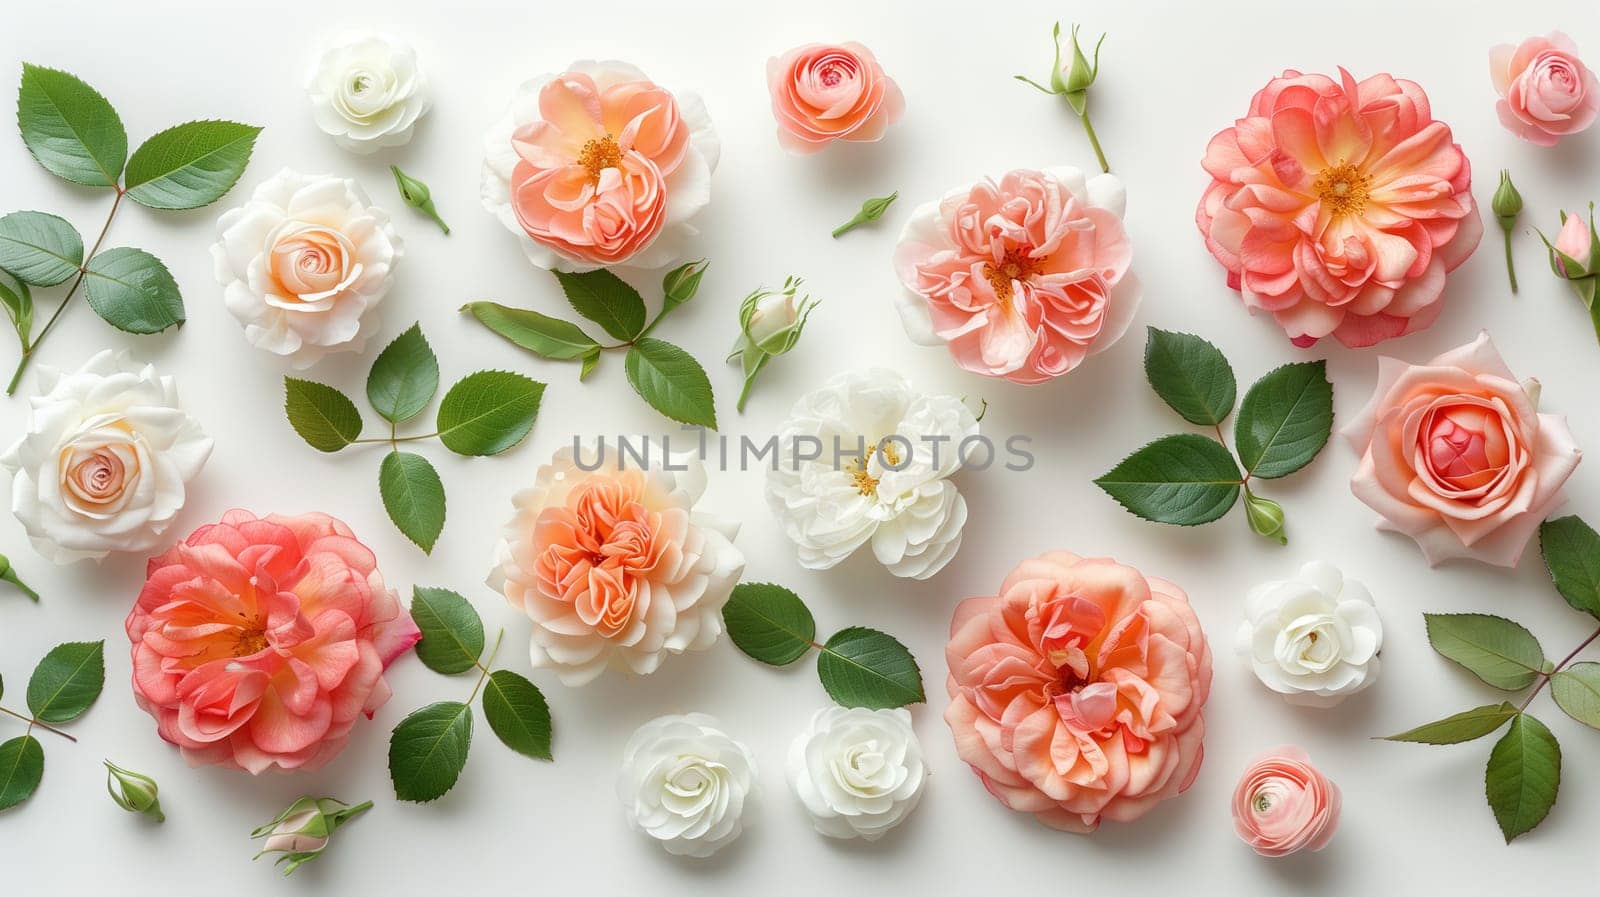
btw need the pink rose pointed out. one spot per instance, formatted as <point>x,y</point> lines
<point>1455,454</point>
<point>827,92</point>
<point>258,642</point>
<point>1576,242</point>
<point>1546,92</point>
<point>1338,207</point>
<point>1283,804</point>
<point>1076,693</point>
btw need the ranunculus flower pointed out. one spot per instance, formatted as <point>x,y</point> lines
<point>684,782</point>
<point>1313,639</point>
<point>304,264</point>
<point>1455,454</point>
<point>1546,92</point>
<point>105,462</point>
<point>600,166</point>
<point>368,93</point>
<point>1076,692</point>
<point>858,772</point>
<point>827,92</point>
<point>615,566</point>
<point>1022,279</point>
<point>1338,207</point>
<point>258,642</point>
<point>1283,804</point>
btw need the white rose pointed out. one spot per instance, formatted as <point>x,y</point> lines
<point>772,314</point>
<point>684,782</point>
<point>858,772</point>
<point>1313,639</point>
<point>304,263</point>
<point>831,505</point>
<point>105,461</point>
<point>368,93</point>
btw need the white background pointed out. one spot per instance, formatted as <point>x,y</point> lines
<point>1414,817</point>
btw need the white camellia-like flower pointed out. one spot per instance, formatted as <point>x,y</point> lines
<point>304,263</point>
<point>684,782</point>
<point>858,772</point>
<point>368,93</point>
<point>106,459</point>
<point>899,499</point>
<point>1313,639</point>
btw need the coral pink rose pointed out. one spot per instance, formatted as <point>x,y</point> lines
<point>1283,804</point>
<point>1021,279</point>
<point>1076,693</point>
<point>827,92</point>
<point>1338,207</point>
<point>258,642</point>
<point>1546,92</point>
<point>1576,242</point>
<point>1455,454</point>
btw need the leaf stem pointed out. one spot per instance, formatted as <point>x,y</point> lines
<point>392,439</point>
<point>1094,141</point>
<point>1511,266</point>
<point>1544,677</point>
<point>485,666</point>
<point>34,722</point>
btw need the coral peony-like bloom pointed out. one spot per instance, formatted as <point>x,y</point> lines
<point>1283,804</point>
<point>1338,207</point>
<point>1021,279</point>
<point>1076,692</point>
<point>599,166</point>
<point>257,642</point>
<point>1546,92</point>
<point>827,92</point>
<point>1455,454</point>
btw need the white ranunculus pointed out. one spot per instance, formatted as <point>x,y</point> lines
<point>105,461</point>
<point>304,263</point>
<point>830,505</point>
<point>368,93</point>
<point>1313,639</point>
<point>858,772</point>
<point>684,782</point>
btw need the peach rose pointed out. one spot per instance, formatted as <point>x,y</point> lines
<point>1283,804</point>
<point>257,642</point>
<point>827,92</point>
<point>1546,92</point>
<point>1076,693</point>
<point>1338,207</point>
<point>1455,454</point>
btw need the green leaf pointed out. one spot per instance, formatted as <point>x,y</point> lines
<point>133,291</point>
<point>428,750</point>
<point>404,377</point>
<point>488,412</point>
<point>70,128</point>
<point>1577,691</point>
<point>1496,650</point>
<point>18,302</point>
<point>21,768</point>
<point>542,335</point>
<point>191,165</point>
<point>413,496</point>
<point>1571,550</point>
<point>517,712</point>
<point>1464,726</point>
<point>1523,777</point>
<point>323,416</point>
<point>591,360</point>
<point>452,631</point>
<point>39,248</point>
<point>769,623</point>
<point>605,299</point>
<point>1191,375</point>
<point>1285,419</point>
<point>67,681</point>
<point>862,667</point>
<point>1183,479</point>
<point>672,382</point>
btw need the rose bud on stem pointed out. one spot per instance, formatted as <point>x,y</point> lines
<point>871,210</point>
<point>416,195</point>
<point>770,325</point>
<point>1072,82</point>
<point>9,574</point>
<point>1575,257</point>
<point>1507,206</point>
<point>301,833</point>
<point>134,792</point>
<point>1265,516</point>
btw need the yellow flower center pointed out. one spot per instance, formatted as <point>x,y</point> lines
<point>250,642</point>
<point>1343,189</point>
<point>1017,264</point>
<point>599,154</point>
<point>865,482</point>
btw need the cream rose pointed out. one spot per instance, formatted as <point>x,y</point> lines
<point>684,782</point>
<point>1313,639</point>
<point>858,772</point>
<point>368,93</point>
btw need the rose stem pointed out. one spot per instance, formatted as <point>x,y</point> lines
<point>33,722</point>
<point>1544,678</point>
<point>1088,128</point>
<point>1511,266</point>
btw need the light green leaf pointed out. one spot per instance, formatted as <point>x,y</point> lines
<point>1523,776</point>
<point>191,165</point>
<point>488,412</point>
<point>414,497</point>
<point>404,377</point>
<point>1496,650</point>
<point>70,128</point>
<point>21,768</point>
<point>18,302</point>
<point>428,750</point>
<point>862,667</point>
<point>591,360</point>
<point>67,681</point>
<point>1577,691</point>
<point>672,382</point>
<point>680,285</point>
<point>1285,419</point>
<point>133,291</point>
<point>1191,375</point>
<point>1184,479</point>
<point>1571,550</point>
<point>542,335</point>
<point>323,416</point>
<point>452,631</point>
<point>517,712</point>
<point>769,623</point>
<point>1463,726</point>
<point>605,299</point>
<point>39,248</point>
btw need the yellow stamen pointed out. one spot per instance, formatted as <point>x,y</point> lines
<point>1015,265</point>
<point>599,154</point>
<point>1343,189</point>
<point>250,642</point>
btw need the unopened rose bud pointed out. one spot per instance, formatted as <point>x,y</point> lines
<point>416,195</point>
<point>1072,80</point>
<point>871,210</point>
<point>1266,517</point>
<point>1507,202</point>
<point>9,574</point>
<point>770,323</point>
<point>301,833</point>
<point>134,792</point>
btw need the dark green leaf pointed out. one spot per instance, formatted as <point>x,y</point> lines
<point>1494,649</point>
<point>413,496</point>
<point>21,768</point>
<point>323,416</point>
<point>39,248</point>
<point>672,382</point>
<point>428,750</point>
<point>67,681</point>
<point>488,412</point>
<point>862,667</point>
<point>540,334</point>
<point>517,712</point>
<point>1285,419</point>
<point>133,291</point>
<point>452,631</point>
<point>1191,375</point>
<point>605,299</point>
<point>769,623</point>
<point>70,128</point>
<point>404,377</point>
<point>1183,479</point>
<point>191,165</point>
<point>1464,726</point>
<point>1576,690</point>
<point>1571,550</point>
<point>1523,776</point>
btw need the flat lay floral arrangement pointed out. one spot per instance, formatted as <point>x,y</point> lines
<point>1337,208</point>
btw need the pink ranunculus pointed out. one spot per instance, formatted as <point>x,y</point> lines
<point>1455,454</point>
<point>257,642</point>
<point>1076,692</point>
<point>1022,278</point>
<point>1339,207</point>
<point>827,92</point>
<point>1284,804</point>
<point>1546,92</point>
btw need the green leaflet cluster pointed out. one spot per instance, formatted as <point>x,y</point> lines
<point>63,686</point>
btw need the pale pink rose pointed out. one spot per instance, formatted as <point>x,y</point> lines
<point>1338,207</point>
<point>1575,241</point>
<point>1455,454</point>
<point>1283,804</point>
<point>1022,278</point>
<point>1546,92</point>
<point>1076,693</point>
<point>827,92</point>
<point>257,642</point>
